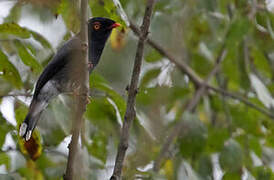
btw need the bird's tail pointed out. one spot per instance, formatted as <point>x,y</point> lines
<point>35,111</point>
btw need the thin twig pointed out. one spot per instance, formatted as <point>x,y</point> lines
<point>198,82</point>
<point>243,100</point>
<point>80,101</point>
<point>130,111</point>
<point>190,108</point>
<point>195,78</point>
<point>180,64</point>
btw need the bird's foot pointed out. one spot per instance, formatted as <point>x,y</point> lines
<point>88,99</point>
<point>136,90</point>
<point>84,46</point>
<point>90,65</point>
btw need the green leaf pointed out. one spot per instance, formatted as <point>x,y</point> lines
<point>230,67</point>
<point>14,13</point>
<point>193,139</point>
<point>20,113</point>
<point>149,76</point>
<point>254,144</point>
<point>121,11</point>
<point>263,173</point>
<point>13,29</point>
<point>98,148</point>
<point>27,58</point>
<point>106,8</point>
<point>153,56</point>
<point>245,118</point>
<point>38,37</point>
<point>238,29</point>
<point>9,72</point>
<point>68,10</point>
<point>202,65</point>
<point>205,168</point>
<point>216,138</point>
<point>2,133</point>
<point>231,157</point>
<point>44,162</point>
<point>57,117</point>
<point>261,62</point>
<point>5,159</point>
<point>232,175</point>
<point>4,129</point>
<point>100,110</point>
<point>98,82</point>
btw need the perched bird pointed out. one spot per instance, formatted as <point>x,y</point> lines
<point>60,75</point>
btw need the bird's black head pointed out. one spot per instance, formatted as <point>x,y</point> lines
<point>99,29</point>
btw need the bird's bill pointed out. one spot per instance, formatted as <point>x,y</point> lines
<point>115,25</point>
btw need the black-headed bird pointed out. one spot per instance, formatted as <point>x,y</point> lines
<point>60,75</point>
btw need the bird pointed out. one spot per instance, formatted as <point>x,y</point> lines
<point>61,73</point>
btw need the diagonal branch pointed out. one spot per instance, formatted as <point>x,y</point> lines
<point>196,79</point>
<point>80,101</point>
<point>130,110</point>
<point>180,64</point>
<point>198,83</point>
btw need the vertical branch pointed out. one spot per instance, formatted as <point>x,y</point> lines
<point>130,111</point>
<point>80,101</point>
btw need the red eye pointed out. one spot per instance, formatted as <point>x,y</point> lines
<point>96,26</point>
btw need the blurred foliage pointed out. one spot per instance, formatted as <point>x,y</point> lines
<point>223,137</point>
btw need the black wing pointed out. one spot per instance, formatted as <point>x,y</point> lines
<point>58,62</point>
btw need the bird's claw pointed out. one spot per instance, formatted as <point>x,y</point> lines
<point>136,90</point>
<point>84,46</point>
<point>90,65</point>
<point>127,88</point>
<point>88,100</point>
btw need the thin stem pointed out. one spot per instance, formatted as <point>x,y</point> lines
<point>130,110</point>
<point>197,79</point>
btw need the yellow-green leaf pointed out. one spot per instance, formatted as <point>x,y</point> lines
<point>27,58</point>
<point>9,72</point>
<point>13,29</point>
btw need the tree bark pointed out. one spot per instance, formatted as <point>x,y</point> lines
<point>130,110</point>
<point>80,100</point>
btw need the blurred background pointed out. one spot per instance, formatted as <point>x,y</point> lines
<point>223,139</point>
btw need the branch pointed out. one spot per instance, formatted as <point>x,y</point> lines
<point>80,101</point>
<point>190,108</point>
<point>130,111</point>
<point>195,78</point>
<point>180,64</point>
<point>243,100</point>
<point>198,82</point>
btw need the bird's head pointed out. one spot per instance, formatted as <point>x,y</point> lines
<point>100,28</point>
